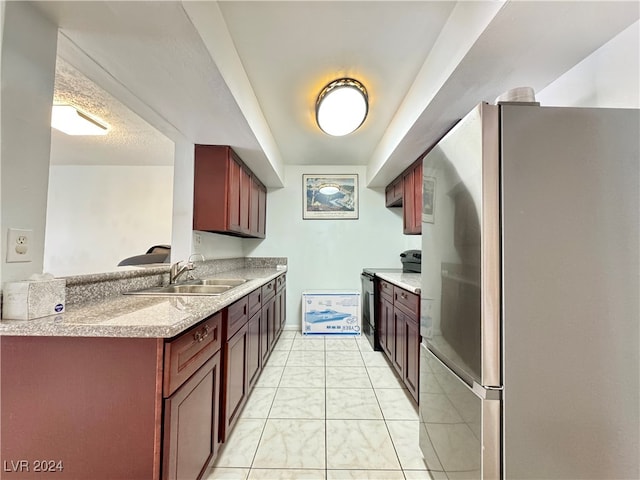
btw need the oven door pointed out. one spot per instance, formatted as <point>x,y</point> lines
<point>459,425</point>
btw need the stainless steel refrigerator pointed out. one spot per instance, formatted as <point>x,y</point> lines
<point>530,295</point>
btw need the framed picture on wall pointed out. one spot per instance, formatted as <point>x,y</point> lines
<point>428,199</point>
<point>329,196</point>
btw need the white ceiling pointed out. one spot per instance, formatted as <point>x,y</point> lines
<point>246,74</point>
<point>131,140</point>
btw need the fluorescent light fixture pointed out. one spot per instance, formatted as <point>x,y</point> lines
<point>342,106</point>
<point>73,121</point>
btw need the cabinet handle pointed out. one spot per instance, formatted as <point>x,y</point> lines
<point>404,295</point>
<point>201,335</point>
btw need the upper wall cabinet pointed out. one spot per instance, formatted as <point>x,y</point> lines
<point>406,192</point>
<point>393,193</point>
<point>227,198</point>
<point>412,199</point>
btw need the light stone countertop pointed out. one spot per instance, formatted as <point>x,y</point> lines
<point>409,281</point>
<point>134,316</point>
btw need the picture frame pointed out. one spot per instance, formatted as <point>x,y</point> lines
<point>329,196</point>
<point>428,199</point>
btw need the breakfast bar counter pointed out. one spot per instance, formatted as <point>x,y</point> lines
<point>135,316</point>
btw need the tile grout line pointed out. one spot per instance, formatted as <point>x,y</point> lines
<point>264,427</point>
<point>326,423</point>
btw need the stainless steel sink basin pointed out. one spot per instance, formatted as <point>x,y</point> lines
<point>233,282</point>
<point>207,286</point>
<point>198,289</point>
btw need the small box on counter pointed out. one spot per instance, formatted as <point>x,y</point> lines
<point>31,299</point>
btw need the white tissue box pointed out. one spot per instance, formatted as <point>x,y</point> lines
<point>33,299</point>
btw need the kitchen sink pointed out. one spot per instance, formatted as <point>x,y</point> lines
<point>206,286</point>
<point>233,282</point>
<point>197,289</point>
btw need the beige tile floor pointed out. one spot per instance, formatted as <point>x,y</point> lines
<point>324,408</point>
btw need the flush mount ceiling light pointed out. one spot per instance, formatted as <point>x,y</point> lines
<point>73,121</point>
<point>342,106</point>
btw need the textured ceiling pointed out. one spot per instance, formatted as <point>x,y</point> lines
<point>246,74</point>
<point>130,141</point>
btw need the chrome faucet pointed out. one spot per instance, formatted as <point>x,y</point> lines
<point>177,270</point>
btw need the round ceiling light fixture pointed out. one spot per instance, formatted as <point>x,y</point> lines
<point>342,106</point>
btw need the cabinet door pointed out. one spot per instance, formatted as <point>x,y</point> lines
<point>412,201</point>
<point>262,212</point>
<point>417,199</point>
<point>267,328</point>
<point>254,209</point>
<point>393,193</point>
<point>254,359</point>
<point>190,436</point>
<point>277,315</point>
<point>236,386</point>
<point>386,327</point>
<point>283,308</point>
<point>245,200</point>
<point>234,206</point>
<point>411,362</point>
<point>397,350</point>
<point>274,324</point>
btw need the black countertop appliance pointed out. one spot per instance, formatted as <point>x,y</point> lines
<point>411,261</point>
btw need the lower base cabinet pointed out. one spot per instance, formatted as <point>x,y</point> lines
<point>247,349</point>
<point>254,359</point>
<point>411,371</point>
<point>191,424</point>
<point>236,388</point>
<point>191,391</point>
<point>399,332</point>
<point>134,408</point>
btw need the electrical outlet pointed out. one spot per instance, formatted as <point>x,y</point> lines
<point>19,245</point>
<point>196,239</point>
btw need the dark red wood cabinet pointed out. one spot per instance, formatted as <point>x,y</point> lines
<point>393,194</point>
<point>251,331</point>
<point>227,196</point>
<point>134,408</point>
<point>406,191</point>
<point>412,200</point>
<point>191,407</point>
<point>105,408</point>
<point>268,325</point>
<point>191,424</point>
<point>236,385</point>
<point>399,332</point>
<point>281,301</point>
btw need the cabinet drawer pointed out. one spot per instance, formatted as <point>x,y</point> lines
<point>237,315</point>
<point>386,289</point>
<point>185,354</point>
<point>407,301</point>
<point>281,282</point>
<point>268,290</point>
<point>255,302</point>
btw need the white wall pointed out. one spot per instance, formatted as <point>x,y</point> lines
<point>214,245</point>
<point>181,238</point>
<point>329,254</point>
<point>610,77</point>
<point>98,215</point>
<point>28,70</point>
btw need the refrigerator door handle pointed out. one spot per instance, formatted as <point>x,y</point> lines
<point>487,393</point>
